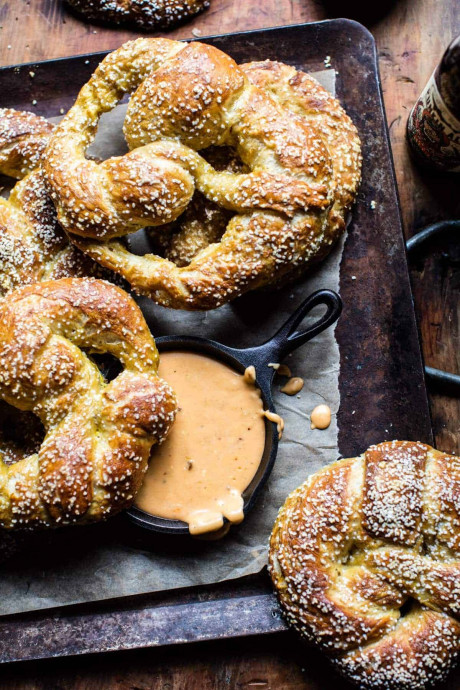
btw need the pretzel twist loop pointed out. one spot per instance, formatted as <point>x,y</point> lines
<point>365,557</point>
<point>33,246</point>
<point>98,434</point>
<point>188,98</point>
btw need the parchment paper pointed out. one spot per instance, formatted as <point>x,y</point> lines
<point>115,559</point>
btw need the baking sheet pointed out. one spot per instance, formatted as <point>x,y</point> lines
<point>381,369</point>
<point>85,564</point>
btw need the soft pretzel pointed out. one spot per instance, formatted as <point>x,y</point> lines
<point>190,97</point>
<point>33,246</point>
<point>203,221</point>
<point>144,14</point>
<point>98,434</point>
<point>365,557</point>
<point>303,95</point>
<point>23,138</point>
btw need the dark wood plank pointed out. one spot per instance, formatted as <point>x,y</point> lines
<point>411,40</point>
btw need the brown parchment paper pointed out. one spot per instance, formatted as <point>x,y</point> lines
<point>115,559</point>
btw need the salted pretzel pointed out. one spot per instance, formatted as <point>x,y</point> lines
<point>23,138</point>
<point>33,246</point>
<point>188,98</point>
<point>99,434</point>
<point>203,221</point>
<point>143,14</point>
<point>365,558</point>
<point>299,92</point>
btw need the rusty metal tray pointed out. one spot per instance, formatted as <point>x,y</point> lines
<point>384,397</point>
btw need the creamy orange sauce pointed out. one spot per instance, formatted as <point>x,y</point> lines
<point>283,370</point>
<point>279,421</point>
<point>320,417</point>
<point>293,386</point>
<point>250,374</point>
<point>214,448</point>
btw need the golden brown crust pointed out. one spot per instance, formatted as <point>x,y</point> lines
<point>203,221</point>
<point>188,98</point>
<point>23,138</point>
<point>303,95</point>
<point>363,538</point>
<point>121,194</point>
<point>33,246</point>
<point>98,434</point>
<point>144,14</point>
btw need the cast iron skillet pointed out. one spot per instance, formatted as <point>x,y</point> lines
<point>288,338</point>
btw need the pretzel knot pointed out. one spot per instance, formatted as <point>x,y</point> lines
<point>365,557</point>
<point>98,434</point>
<point>23,139</point>
<point>33,247</point>
<point>144,14</point>
<point>189,98</point>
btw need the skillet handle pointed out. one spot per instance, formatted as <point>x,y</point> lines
<point>448,383</point>
<point>288,338</point>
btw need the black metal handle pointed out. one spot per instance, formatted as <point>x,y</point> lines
<point>450,383</point>
<point>288,337</point>
<point>422,237</point>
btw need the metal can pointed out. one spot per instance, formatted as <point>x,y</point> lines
<point>433,126</point>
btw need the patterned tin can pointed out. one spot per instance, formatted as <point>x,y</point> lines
<point>433,127</point>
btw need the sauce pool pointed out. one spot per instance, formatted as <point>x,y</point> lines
<point>214,448</point>
<point>320,417</point>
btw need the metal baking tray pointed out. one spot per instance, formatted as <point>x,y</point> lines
<point>382,386</point>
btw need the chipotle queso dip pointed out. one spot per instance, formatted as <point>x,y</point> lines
<point>214,448</point>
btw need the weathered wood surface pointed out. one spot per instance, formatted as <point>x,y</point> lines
<point>411,35</point>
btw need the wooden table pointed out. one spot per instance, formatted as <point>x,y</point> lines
<point>411,36</point>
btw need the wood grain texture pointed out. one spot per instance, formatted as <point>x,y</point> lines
<point>411,41</point>
<point>411,36</point>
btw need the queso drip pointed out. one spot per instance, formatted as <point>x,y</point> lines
<point>214,448</point>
